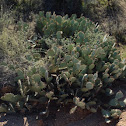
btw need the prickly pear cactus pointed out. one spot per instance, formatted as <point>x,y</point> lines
<point>78,64</point>
<point>83,71</point>
<point>50,24</point>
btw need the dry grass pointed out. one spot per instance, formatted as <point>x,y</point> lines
<point>13,37</point>
<point>13,47</point>
<point>122,49</point>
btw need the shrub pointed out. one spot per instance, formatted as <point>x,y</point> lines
<point>22,8</point>
<point>77,67</point>
<point>14,46</point>
<point>12,40</point>
<point>110,14</point>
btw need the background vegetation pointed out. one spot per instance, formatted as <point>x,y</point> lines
<point>109,14</point>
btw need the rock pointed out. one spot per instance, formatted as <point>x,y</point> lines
<point>122,120</point>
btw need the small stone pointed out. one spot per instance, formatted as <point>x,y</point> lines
<point>122,120</point>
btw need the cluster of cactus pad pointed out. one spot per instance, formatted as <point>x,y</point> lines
<point>49,25</point>
<point>79,66</point>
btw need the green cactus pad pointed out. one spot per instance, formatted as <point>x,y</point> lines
<point>11,97</point>
<point>89,85</point>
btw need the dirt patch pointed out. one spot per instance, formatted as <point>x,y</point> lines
<point>19,120</point>
<point>77,119</point>
<point>62,117</point>
<point>94,119</point>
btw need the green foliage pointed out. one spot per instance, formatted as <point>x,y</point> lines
<point>12,40</point>
<point>10,97</point>
<point>96,10</point>
<point>103,2</point>
<point>79,64</point>
<point>14,46</point>
<point>24,5</point>
<point>50,25</point>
